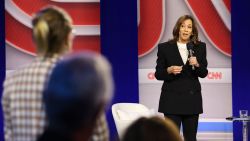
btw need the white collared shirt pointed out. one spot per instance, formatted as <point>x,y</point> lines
<point>183,51</point>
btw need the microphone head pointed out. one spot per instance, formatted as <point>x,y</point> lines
<point>190,45</point>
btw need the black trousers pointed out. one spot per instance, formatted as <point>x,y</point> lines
<point>189,125</point>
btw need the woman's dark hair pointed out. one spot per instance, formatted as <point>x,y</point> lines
<point>194,37</point>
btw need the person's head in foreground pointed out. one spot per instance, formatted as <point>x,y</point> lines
<point>79,88</point>
<point>152,129</point>
<point>52,31</point>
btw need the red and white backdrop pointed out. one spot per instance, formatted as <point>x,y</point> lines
<point>156,21</point>
<point>20,49</point>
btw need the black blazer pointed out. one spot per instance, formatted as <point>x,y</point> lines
<point>181,93</point>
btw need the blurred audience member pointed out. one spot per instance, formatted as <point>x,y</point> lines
<point>152,129</point>
<point>78,91</point>
<point>24,115</point>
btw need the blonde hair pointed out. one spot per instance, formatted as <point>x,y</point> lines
<point>51,28</point>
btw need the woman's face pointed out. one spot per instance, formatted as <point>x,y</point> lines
<point>185,32</point>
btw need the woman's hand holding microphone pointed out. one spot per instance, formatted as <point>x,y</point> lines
<point>193,61</point>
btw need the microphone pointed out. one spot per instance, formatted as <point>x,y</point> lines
<point>190,47</point>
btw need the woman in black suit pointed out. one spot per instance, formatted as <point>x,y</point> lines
<point>180,62</point>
